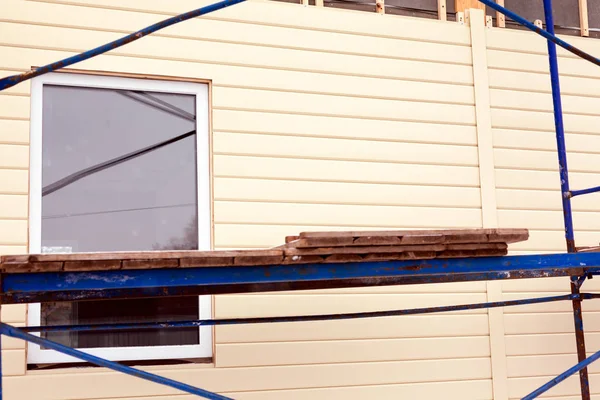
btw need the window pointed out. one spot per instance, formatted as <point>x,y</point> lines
<point>120,164</point>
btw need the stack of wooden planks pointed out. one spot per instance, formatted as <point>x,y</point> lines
<point>307,247</point>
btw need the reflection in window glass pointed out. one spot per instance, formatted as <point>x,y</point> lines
<point>119,174</point>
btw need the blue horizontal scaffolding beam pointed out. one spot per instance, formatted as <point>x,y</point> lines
<point>69,286</point>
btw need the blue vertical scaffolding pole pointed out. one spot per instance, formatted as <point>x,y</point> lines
<point>566,195</point>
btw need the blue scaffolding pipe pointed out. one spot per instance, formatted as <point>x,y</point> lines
<point>11,331</point>
<point>302,318</point>
<point>574,193</point>
<point>12,80</point>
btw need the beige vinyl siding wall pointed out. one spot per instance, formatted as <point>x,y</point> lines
<point>540,340</point>
<point>331,120</point>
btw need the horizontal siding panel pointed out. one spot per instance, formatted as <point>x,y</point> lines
<point>554,364</point>
<point>544,323</point>
<point>542,200</point>
<point>562,343</point>
<point>218,30</point>
<point>13,181</point>
<point>14,107</point>
<point>323,19</point>
<point>343,193</point>
<point>540,82</point>
<point>12,250</point>
<point>341,149</point>
<point>536,140</point>
<point>257,354</point>
<point>552,307</point>
<point>14,313</point>
<point>376,328</point>
<point>546,180</point>
<point>249,379</point>
<point>528,62</point>
<point>13,206</point>
<point>303,103</point>
<point>343,128</point>
<point>77,40</point>
<point>544,160</point>
<point>343,171</point>
<point>14,155</point>
<point>14,131</point>
<point>529,42</point>
<point>13,232</point>
<point>477,389</point>
<point>543,121</point>
<point>520,100</point>
<point>543,220</point>
<point>519,387</point>
<point>243,306</point>
<point>260,77</point>
<point>344,215</point>
<point>13,362</point>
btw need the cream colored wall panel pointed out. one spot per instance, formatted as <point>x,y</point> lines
<point>302,103</point>
<point>561,343</point>
<point>552,307</point>
<point>14,131</point>
<point>13,231</point>
<point>543,121</point>
<point>14,181</point>
<point>13,362</point>
<point>377,328</point>
<point>546,180</point>
<point>343,128</point>
<point>107,384</point>
<point>543,200</point>
<point>341,149</point>
<point>537,140</point>
<point>519,100</point>
<point>77,40</point>
<point>343,193</point>
<point>14,156</point>
<point>544,160</point>
<point>326,214</point>
<point>216,30</point>
<point>549,220</point>
<point>12,249</point>
<point>344,171</point>
<point>528,62</point>
<point>555,240</point>
<point>293,15</point>
<point>22,89</point>
<point>519,387</point>
<point>546,365</point>
<point>242,306</point>
<point>256,354</point>
<point>14,313</point>
<point>287,79</point>
<point>540,82</point>
<point>548,323</point>
<point>477,389</point>
<point>529,42</point>
<point>13,206</point>
<point>14,107</point>
<point>555,284</point>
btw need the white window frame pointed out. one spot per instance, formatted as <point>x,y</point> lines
<point>35,354</point>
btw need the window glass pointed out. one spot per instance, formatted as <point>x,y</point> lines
<point>119,174</point>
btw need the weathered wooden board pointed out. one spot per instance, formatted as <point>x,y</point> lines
<point>307,247</point>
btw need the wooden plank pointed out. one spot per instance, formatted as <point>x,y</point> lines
<point>90,265</point>
<point>442,12</point>
<point>380,6</point>
<point>584,19</point>
<point>391,249</point>
<point>500,18</point>
<point>464,5</point>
